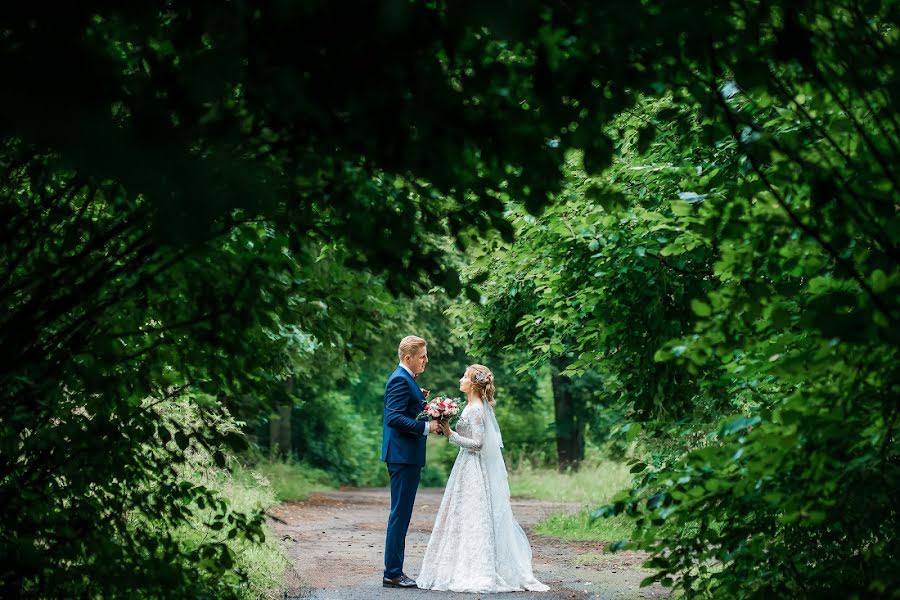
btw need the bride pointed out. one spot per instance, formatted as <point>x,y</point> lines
<point>476,544</point>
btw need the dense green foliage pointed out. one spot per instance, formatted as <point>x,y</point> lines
<point>733,277</point>
<point>217,201</point>
<point>204,196</point>
<point>336,421</point>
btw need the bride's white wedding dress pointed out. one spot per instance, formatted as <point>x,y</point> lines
<point>476,545</point>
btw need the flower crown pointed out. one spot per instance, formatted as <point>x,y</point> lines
<point>481,378</point>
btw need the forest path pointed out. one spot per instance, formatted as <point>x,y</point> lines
<point>335,542</point>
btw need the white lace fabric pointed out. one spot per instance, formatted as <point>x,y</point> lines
<point>476,545</point>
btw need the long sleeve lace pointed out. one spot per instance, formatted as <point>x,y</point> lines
<point>472,425</point>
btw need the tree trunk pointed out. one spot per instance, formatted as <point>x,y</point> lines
<point>568,416</point>
<point>280,442</point>
<point>274,434</point>
<point>280,432</point>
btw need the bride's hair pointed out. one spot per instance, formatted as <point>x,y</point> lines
<point>482,378</point>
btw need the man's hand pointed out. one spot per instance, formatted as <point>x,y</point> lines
<point>434,427</point>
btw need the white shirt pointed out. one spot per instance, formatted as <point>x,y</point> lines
<point>413,375</point>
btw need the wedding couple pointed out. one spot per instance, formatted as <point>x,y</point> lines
<point>476,544</point>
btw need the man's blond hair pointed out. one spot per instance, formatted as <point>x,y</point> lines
<point>412,345</point>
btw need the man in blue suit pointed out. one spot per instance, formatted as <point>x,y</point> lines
<point>403,449</point>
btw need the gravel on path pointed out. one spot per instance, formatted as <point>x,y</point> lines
<point>335,542</point>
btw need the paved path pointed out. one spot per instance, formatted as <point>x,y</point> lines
<point>335,541</point>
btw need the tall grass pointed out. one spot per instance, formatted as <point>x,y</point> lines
<point>593,485</point>
<point>581,527</point>
<point>596,482</point>
<point>289,480</point>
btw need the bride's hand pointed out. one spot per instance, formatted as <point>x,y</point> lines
<point>445,428</point>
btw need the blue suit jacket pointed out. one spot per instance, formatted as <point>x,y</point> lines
<point>403,439</point>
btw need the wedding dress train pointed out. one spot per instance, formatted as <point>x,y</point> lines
<point>476,544</point>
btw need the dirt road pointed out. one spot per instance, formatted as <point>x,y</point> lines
<point>335,541</point>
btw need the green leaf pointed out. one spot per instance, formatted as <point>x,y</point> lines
<point>700,308</point>
<point>681,209</point>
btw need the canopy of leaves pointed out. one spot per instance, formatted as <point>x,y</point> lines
<point>733,276</point>
<point>213,195</point>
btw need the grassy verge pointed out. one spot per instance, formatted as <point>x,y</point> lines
<point>264,563</point>
<point>290,481</point>
<point>593,485</point>
<point>580,527</point>
<point>250,489</point>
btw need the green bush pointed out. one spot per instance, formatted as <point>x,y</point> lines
<point>261,564</point>
<point>525,415</point>
<point>191,527</point>
<point>330,433</point>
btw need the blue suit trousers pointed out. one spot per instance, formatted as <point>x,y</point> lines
<point>404,483</point>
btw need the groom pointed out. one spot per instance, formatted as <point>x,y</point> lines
<point>403,449</point>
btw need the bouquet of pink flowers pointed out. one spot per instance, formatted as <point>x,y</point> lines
<point>441,408</point>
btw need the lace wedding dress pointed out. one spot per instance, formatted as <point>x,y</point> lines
<point>476,544</point>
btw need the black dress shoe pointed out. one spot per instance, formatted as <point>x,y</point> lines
<point>400,582</point>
